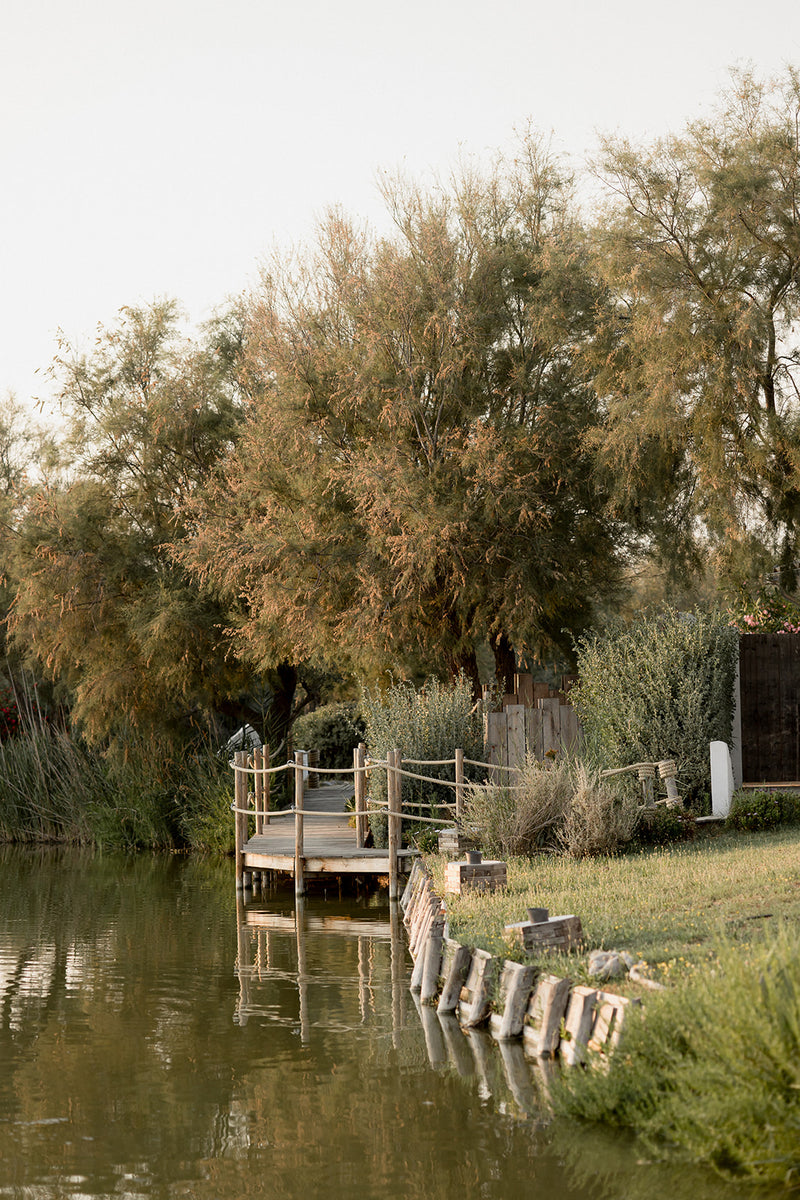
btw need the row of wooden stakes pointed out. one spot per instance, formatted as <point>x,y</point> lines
<point>554,1018</point>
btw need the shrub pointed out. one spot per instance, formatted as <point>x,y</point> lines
<point>557,806</point>
<point>425,723</point>
<point>661,688</point>
<point>334,731</point>
<point>521,818</point>
<point>728,1094</point>
<point>599,818</point>
<point>753,811</point>
<point>662,826</point>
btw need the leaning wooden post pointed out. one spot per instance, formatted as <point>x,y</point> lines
<point>394,794</point>
<point>459,785</point>
<point>240,822</point>
<point>359,783</point>
<point>258,763</point>
<point>299,880</point>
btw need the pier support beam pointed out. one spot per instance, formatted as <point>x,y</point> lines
<point>240,822</point>
<point>299,877</point>
<point>360,786</point>
<point>394,793</point>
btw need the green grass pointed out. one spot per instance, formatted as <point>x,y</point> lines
<point>670,906</point>
<point>708,1070</point>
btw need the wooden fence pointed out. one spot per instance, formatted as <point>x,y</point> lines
<point>536,720</point>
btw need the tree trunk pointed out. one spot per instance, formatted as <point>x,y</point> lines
<point>505,662</point>
<point>466,663</point>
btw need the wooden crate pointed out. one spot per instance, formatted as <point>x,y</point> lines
<point>487,876</point>
<point>557,933</point>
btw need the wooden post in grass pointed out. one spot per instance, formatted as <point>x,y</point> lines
<point>459,785</point>
<point>299,879</point>
<point>394,793</point>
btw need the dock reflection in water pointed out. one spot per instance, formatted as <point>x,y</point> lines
<point>272,948</point>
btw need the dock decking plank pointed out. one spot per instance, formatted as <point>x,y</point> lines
<point>329,841</point>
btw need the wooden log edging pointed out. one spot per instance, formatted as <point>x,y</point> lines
<point>553,1017</point>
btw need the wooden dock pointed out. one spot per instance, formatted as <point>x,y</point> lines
<point>329,844</point>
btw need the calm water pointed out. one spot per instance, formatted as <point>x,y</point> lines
<point>157,1040</point>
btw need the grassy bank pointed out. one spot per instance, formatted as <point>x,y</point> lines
<point>671,907</point>
<point>709,1069</point>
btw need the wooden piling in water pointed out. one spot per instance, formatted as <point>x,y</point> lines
<point>394,792</point>
<point>258,787</point>
<point>299,879</point>
<point>240,823</point>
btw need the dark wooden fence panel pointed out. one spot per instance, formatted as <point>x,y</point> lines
<point>769,665</point>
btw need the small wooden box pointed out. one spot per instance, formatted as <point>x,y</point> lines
<point>460,877</point>
<point>558,933</point>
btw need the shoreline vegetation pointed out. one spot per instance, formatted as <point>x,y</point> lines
<point>708,1070</point>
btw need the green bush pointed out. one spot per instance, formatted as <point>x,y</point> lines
<point>661,688</point>
<point>710,1072</point>
<point>662,826</point>
<point>751,811</point>
<point>426,723</point>
<point>333,730</point>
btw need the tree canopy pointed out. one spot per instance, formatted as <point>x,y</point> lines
<point>413,475</point>
<point>99,601</point>
<point>698,362</point>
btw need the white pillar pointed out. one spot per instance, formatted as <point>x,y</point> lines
<point>721,779</point>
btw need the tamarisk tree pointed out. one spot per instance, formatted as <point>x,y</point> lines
<point>698,361</point>
<point>413,474</point>
<point>99,602</point>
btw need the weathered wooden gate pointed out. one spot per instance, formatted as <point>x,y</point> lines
<point>769,682</point>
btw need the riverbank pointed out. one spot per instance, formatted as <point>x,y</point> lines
<point>709,1068</point>
<point>670,907</point>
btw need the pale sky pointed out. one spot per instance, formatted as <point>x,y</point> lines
<point>162,147</point>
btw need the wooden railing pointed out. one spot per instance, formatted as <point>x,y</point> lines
<point>255,803</point>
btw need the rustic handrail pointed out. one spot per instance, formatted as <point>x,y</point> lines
<point>250,763</point>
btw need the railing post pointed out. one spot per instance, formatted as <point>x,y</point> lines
<point>459,784</point>
<point>360,786</point>
<point>240,822</point>
<point>259,788</point>
<point>265,794</point>
<point>394,794</point>
<point>299,880</point>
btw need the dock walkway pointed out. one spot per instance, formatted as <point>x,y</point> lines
<point>329,842</point>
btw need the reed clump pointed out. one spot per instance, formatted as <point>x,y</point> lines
<point>55,787</point>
